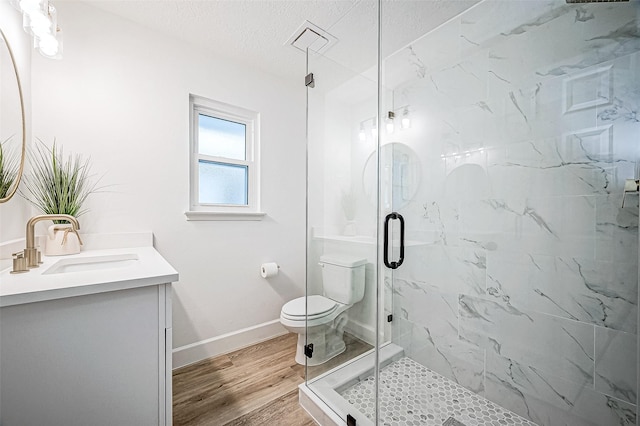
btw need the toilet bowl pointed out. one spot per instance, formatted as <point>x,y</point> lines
<point>323,326</point>
<point>320,320</point>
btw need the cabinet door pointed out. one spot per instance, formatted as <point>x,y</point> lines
<point>89,360</point>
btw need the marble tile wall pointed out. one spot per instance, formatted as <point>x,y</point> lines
<point>525,289</point>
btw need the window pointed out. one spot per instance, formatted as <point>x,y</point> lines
<point>224,162</point>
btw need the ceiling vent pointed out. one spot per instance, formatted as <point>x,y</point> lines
<point>312,37</point>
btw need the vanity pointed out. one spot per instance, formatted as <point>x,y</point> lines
<point>86,339</point>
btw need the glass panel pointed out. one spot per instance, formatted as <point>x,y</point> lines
<point>342,218</point>
<point>222,183</point>
<point>520,280</point>
<point>221,138</point>
<point>514,144</point>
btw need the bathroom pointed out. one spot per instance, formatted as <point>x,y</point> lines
<point>514,136</point>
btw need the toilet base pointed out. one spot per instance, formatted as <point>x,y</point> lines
<point>325,346</point>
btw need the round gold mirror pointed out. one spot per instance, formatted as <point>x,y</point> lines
<point>13,140</point>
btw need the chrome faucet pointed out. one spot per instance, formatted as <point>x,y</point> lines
<point>31,253</point>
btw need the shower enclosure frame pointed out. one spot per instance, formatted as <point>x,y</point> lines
<point>604,335</point>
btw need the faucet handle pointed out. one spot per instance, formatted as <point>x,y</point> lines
<point>19,263</point>
<point>32,257</point>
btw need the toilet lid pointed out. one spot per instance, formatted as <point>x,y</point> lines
<point>318,306</point>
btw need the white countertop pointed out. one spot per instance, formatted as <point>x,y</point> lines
<point>150,268</point>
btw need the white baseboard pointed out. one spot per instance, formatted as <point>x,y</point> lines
<point>219,345</point>
<point>362,331</point>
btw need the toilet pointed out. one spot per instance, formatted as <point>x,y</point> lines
<point>325,316</point>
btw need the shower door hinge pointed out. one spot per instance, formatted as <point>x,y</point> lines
<point>309,81</point>
<point>389,318</point>
<point>351,421</point>
<point>308,350</point>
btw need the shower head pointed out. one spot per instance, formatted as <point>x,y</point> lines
<point>594,1</point>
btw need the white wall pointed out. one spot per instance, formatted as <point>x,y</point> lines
<point>121,96</point>
<point>14,213</point>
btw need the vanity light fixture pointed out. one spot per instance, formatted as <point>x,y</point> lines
<point>39,18</point>
<point>362,134</point>
<point>390,119</point>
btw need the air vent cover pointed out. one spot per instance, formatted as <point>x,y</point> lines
<point>312,37</point>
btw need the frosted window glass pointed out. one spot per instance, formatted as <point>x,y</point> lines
<point>221,138</point>
<point>223,183</point>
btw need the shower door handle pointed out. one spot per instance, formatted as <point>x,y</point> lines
<point>396,264</point>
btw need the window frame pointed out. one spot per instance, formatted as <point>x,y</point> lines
<point>205,211</point>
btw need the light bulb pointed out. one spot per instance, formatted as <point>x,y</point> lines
<point>389,121</point>
<point>362,135</point>
<point>33,6</point>
<point>405,123</point>
<point>48,45</point>
<point>39,24</point>
<point>389,126</point>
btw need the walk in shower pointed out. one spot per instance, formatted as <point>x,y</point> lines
<point>486,168</point>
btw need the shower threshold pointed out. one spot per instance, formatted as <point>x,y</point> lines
<point>410,394</point>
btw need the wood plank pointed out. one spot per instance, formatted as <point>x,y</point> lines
<point>256,385</point>
<point>232,400</point>
<point>281,346</point>
<point>284,411</point>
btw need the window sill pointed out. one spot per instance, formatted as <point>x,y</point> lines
<point>203,216</point>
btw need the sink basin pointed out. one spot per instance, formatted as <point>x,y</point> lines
<point>92,263</point>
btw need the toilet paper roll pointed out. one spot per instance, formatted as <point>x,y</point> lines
<point>268,270</point>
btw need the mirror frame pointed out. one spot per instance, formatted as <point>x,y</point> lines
<point>23,151</point>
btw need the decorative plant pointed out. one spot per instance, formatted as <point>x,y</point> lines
<point>9,167</point>
<point>58,184</point>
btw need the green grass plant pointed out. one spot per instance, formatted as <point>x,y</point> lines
<point>9,166</point>
<point>58,184</point>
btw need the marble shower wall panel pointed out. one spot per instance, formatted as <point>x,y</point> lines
<point>549,400</point>
<point>597,292</point>
<point>427,328</point>
<point>452,358</point>
<point>552,345</point>
<point>616,365</point>
<point>525,118</point>
<point>450,271</point>
<point>429,307</point>
<point>623,107</point>
<point>616,229</point>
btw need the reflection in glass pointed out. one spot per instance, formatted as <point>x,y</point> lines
<point>12,123</point>
<point>399,174</point>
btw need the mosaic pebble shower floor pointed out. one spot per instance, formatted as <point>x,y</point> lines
<point>411,394</point>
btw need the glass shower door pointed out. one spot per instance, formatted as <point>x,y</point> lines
<point>517,300</point>
<point>341,217</point>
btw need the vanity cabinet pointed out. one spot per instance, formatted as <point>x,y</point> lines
<point>95,359</point>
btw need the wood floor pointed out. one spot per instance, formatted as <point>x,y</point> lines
<point>257,385</point>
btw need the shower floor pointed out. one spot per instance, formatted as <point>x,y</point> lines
<point>411,394</point>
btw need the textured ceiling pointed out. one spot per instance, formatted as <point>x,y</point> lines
<point>255,31</point>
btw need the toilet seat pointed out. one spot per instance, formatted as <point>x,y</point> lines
<point>316,307</point>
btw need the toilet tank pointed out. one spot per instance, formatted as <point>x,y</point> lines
<point>343,277</point>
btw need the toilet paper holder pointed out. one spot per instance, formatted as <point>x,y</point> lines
<point>269,269</point>
<point>630,186</point>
